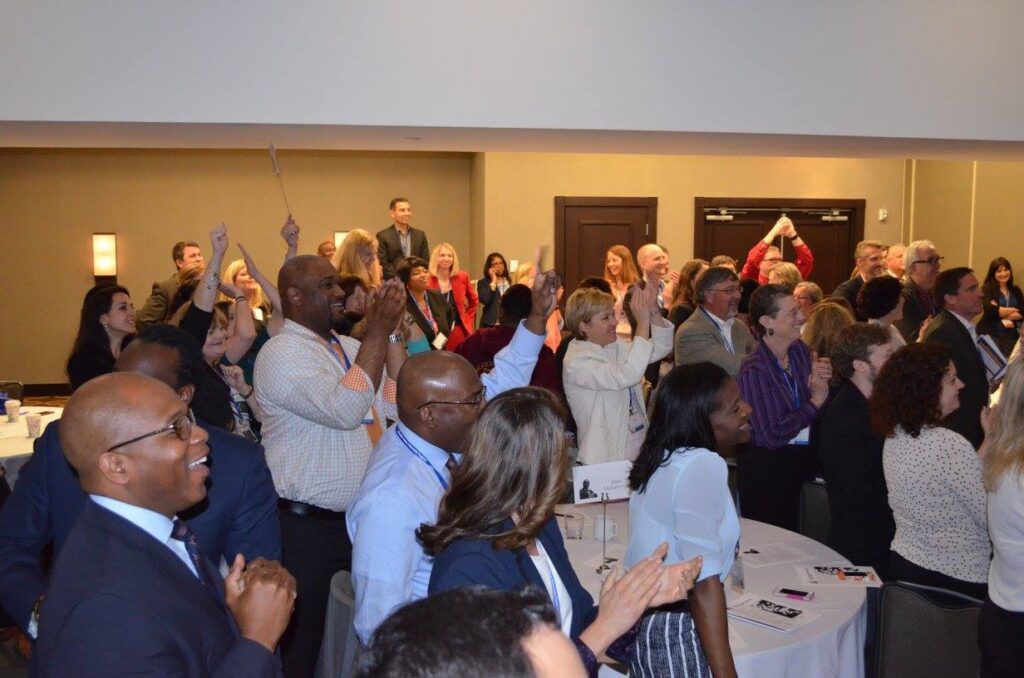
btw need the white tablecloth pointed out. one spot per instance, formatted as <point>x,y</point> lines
<point>15,445</point>
<point>830,646</point>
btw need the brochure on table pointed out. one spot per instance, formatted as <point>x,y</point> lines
<point>838,575</point>
<point>773,554</point>
<point>590,482</point>
<point>769,613</point>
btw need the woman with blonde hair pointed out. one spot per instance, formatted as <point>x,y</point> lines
<point>358,256</point>
<point>237,274</point>
<point>454,285</point>
<point>785,273</point>
<point>620,271</point>
<point>1002,614</point>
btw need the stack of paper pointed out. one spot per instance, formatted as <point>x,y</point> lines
<point>770,613</point>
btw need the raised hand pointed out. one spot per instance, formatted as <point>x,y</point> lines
<point>235,377</point>
<point>290,233</point>
<point>219,238</point>
<point>384,307</point>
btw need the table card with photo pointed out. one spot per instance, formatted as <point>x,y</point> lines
<point>589,483</point>
<point>772,614</point>
<point>835,575</point>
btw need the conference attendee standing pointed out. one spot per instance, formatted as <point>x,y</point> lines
<point>712,334</point>
<point>881,301</point>
<point>655,272</point>
<point>424,306</point>
<point>933,474</point>
<point>851,453</point>
<point>131,590</point>
<point>680,495</point>
<point>454,285</point>
<point>358,256</point>
<point>923,264</point>
<point>764,256</point>
<point>620,272</point>
<point>157,307</point>
<point>324,400</point>
<point>1002,616</point>
<point>491,286</point>
<point>400,239</point>
<point>959,299</point>
<point>869,257</point>
<point>785,387</point>
<point>106,326</point>
<point>1004,306</point>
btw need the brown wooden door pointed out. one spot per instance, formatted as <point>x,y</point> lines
<point>586,227</point>
<point>831,228</point>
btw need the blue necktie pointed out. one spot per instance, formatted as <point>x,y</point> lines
<point>184,534</point>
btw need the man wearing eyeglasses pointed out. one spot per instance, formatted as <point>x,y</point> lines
<point>132,589</point>
<point>711,334</point>
<point>239,515</point>
<point>764,256</point>
<point>439,398</point>
<point>923,265</point>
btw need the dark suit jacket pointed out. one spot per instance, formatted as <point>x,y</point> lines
<point>154,311</point>
<point>851,461</point>
<point>389,248</point>
<point>948,330</point>
<point>917,306</point>
<point>239,514</point>
<point>120,602</point>
<point>848,290</point>
<point>474,561</point>
<point>438,308</point>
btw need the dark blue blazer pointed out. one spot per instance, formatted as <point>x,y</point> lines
<point>474,561</point>
<point>120,602</point>
<point>239,514</point>
<point>966,419</point>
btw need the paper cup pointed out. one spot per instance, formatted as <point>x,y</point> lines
<point>13,408</point>
<point>35,425</point>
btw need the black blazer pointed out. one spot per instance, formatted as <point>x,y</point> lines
<point>490,301</point>
<point>438,308</point>
<point>851,461</point>
<point>990,322</point>
<point>848,290</point>
<point>121,601</point>
<point>917,306</point>
<point>948,330</point>
<point>389,248</point>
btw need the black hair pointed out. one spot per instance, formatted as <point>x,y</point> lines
<point>948,282</point>
<point>178,251</point>
<point>516,303</point>
<point>879,296</point>
<point>190,355</point>
<point>765,302</point>
<point>680,417</point>
<point>395,201</point>
<point>595,282</point>
<point>407,264</point>
<point>91,335</point>
<point>482,635</point>
<point>709,278</point>
<point>487,266</point>
<point>990,277</point>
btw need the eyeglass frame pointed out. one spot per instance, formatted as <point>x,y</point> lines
<point>476,399</point>
<point>932,261</point>
<point>173,426</point>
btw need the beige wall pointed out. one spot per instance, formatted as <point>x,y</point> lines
<point>52,201</point>
<point>942,208</point>
<point>519,190</point>
<point>999,216</point>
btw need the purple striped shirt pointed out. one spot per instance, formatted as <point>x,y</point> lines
<point>776,417</point>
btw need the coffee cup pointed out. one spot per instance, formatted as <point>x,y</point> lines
<point>13,409</point>
<point>574,525</point>
<point>605,528</point>
<point>35,425</point>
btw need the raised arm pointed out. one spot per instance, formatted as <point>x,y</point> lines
<point>206,291</point>
<point>269,290</point>
<point>240,341</point>
<point>290,233</point>
<point>384,309</point>
<point>751,269</point>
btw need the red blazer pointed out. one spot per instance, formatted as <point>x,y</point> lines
<point>466,299</point>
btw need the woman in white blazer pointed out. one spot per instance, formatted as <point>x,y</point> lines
<point>602,373</point>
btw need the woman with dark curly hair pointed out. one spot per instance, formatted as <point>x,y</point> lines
<point>496,527</point>
<point>681,495</point>
<point>1004,305</point>
<point>785,386</point>
<point>881,300</point>
<point>933,473</point>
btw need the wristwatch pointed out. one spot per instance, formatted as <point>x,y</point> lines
<point>396,338</point>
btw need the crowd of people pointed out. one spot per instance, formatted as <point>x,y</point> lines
<point>239,440</point>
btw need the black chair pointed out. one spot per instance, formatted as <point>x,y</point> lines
<point>12,389</point>
<point>926,631</point>
<point>815,515</point>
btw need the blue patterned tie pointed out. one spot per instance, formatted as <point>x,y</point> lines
<point>182,533</point>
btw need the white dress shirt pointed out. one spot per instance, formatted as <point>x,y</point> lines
<point>1006,527</point>
<point>724,327</point>
<point>313,416</point>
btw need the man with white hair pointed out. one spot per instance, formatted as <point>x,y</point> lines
<point>923,264</point>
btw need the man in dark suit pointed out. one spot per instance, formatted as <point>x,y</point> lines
<point>154,311</point>
<point>870,260</point>
<point>923,264</point>
<point>959,298</point>
<point>131,590</point>
<point>851,453</point>
<point>239,515</point>
<point>400,240</point>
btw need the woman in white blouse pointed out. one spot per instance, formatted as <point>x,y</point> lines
<point>933,473</point>
<point>602,372</point>
<point>1002,616</point>
<point>681,496</point>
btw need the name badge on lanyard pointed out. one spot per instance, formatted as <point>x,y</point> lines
<point>803,437</point>
<point>637,421</point>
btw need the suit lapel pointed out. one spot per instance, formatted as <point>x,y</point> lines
<point>965,337</point>
<point>712,327</point>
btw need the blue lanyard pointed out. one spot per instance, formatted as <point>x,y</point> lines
<point>551,579</point>
<point>417,453</point>
<point>791,382</point>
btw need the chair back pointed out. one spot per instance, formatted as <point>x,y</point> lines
<point>815,515</point>
<point>926,631</point>
<point>11,390</point>
<point>339,650</point>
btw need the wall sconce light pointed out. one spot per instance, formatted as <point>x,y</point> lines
<point>104,257</point>
<point>339,237</point>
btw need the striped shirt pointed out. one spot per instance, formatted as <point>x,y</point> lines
<point>781,406</point>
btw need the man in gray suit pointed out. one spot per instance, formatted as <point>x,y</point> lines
<point>154,311</point>
<point>400,240</point>
<point>712,333</point>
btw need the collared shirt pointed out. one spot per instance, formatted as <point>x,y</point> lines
<point>405,240</point>
<point>313,416</point>
<point>401,491</point>
<point>152,523</point>
<point>968,325</point>
<point>724,326</point>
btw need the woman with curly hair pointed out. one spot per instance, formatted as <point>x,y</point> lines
<point>496,527</point>
<point>933,473</point>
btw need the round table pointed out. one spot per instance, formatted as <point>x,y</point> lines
<point>832,645</point>
<point>15,445</point>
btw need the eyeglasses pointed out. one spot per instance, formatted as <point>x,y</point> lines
<point>735,289</point>
<point>773,260</point>
<point>182,427</point>
<point>931,261</point>
<point>475,400</point>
